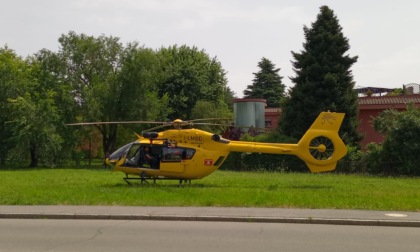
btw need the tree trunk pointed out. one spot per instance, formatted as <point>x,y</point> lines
<point>109,138</point>
<point>34,155</point>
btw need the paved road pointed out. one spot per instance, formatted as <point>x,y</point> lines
<point>226,214</point>
<point>116,228</point>
<point>140,235</point>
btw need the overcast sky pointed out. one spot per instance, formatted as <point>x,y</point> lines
<point>384,34</point>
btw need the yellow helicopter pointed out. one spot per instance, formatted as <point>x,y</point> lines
<point>188,154</point>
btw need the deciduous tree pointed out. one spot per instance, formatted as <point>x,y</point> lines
<point>110,82</point>
<point>190,75</point>
<point>13,73</point>
<point>34,117</point>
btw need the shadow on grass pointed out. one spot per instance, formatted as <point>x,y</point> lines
<point>95,164</point>
<point>22,168</point>
<point>311,187</point>
<point>138,184</point>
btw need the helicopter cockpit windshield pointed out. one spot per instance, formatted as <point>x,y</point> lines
<point>116,155</point>
<point>143,156</point>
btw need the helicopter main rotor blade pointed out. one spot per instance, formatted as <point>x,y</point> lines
<point>176,123</point>
<point>183,124</point>
<point>210,119</point>
<point>211,124</point>
<point>167,124</point>
<point>122,122</point>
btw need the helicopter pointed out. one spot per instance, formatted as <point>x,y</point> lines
<point>187,154</point>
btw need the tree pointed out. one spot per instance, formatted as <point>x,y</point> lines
<point>13,75</point>
<point>52,76</point>
<point>267,84</point>
<point>323,80</point>
<point>206,110</point>
<point>138,94</point>
<point>92,66</point>
<point>190,75</point>
<point>229,96</point>
<point>35,103</point>
<point>34,117</point>
<point>110,82</point>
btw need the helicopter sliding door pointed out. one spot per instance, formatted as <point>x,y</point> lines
<point>174,158</point>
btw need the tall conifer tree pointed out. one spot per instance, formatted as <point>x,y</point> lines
<point>323,80</point>
<point>266,84</point>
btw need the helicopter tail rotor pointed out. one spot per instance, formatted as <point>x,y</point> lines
<point>321,147</point>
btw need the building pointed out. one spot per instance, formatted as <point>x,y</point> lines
<point>249,113</point>
<point>272,117</point>
<point>370,107</point>
<point>372,101</point>
<point>252,112</point>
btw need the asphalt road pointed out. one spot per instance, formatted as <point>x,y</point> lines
<point>147,235</point>
<point>227,214</point>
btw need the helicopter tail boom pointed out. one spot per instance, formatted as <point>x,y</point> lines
<point>320,147</point>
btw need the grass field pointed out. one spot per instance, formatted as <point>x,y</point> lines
<point>230,189</point>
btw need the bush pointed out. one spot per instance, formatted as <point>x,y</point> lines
<point>352,162</point>
<point>372,158</point>
<point>402,145</point>
<point>399,154</point>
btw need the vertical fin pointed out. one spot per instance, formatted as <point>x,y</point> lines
<point>321,147</point>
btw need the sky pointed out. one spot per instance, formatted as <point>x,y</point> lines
<point>383,34</point>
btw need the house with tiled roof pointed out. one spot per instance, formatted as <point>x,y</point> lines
<point>370,107</point>
<point>372,101</point>
<point>272,116</point>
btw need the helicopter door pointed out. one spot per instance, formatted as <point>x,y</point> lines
<point>171,160</point>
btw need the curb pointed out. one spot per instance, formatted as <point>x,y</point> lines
<point>249,219</point>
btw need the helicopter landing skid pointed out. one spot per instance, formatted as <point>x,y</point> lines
<point>144,179</point>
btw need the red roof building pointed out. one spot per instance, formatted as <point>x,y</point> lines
<point>370,107</point>
<point>272,116</point>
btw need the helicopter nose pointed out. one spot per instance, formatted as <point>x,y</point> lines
<point>108,161</point>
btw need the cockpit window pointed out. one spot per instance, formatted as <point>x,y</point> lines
<point>116,155</point>
<point>176,154</point>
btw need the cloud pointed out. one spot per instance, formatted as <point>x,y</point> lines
<point>393,69</point>
<point>238,32</point>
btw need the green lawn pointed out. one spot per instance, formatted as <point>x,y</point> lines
<point>232,189</point>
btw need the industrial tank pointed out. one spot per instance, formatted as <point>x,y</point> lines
<point>249,112</point>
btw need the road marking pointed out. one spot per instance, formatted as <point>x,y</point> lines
<point>396,215</point>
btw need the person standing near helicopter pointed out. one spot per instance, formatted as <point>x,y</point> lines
<point>149,158</point>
